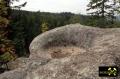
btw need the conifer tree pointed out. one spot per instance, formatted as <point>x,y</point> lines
<point>44,27</point>
<point>98,6</point>
<point>7,51</point>
<point>105,9</point>
<point>114,10</point>
<point>7,46</point>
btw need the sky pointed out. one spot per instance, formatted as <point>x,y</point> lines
<point>56,6</point>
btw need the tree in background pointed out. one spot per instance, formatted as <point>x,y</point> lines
<point>99,6</point>
<point>19,35</point>
<point>104,10</point>
<point>75,19</point>
<point>44,27</point>
<point>118,1</point>
<point>113,10</point>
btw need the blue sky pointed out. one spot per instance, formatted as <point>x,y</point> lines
<point>74,6</point>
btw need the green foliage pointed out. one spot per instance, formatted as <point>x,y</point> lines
<point>44,27</point>
<point>7,47</point>
<point>99,6</point>
<point>6,57</point>
<point>3,21</point>
<point>75,19</point>
<point>105,10</point>
<point>7,51</point>
<point>3,13</point>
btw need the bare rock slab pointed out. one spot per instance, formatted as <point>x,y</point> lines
<point>69,52</point>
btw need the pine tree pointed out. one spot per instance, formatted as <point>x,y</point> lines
<point>105,9</point>
<point>98,6</point>
<point>114,10</point>
<point>7,51</point>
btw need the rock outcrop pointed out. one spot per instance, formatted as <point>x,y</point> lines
<point>69,52</point>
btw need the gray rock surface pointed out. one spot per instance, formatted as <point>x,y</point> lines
<point>69,52</point>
